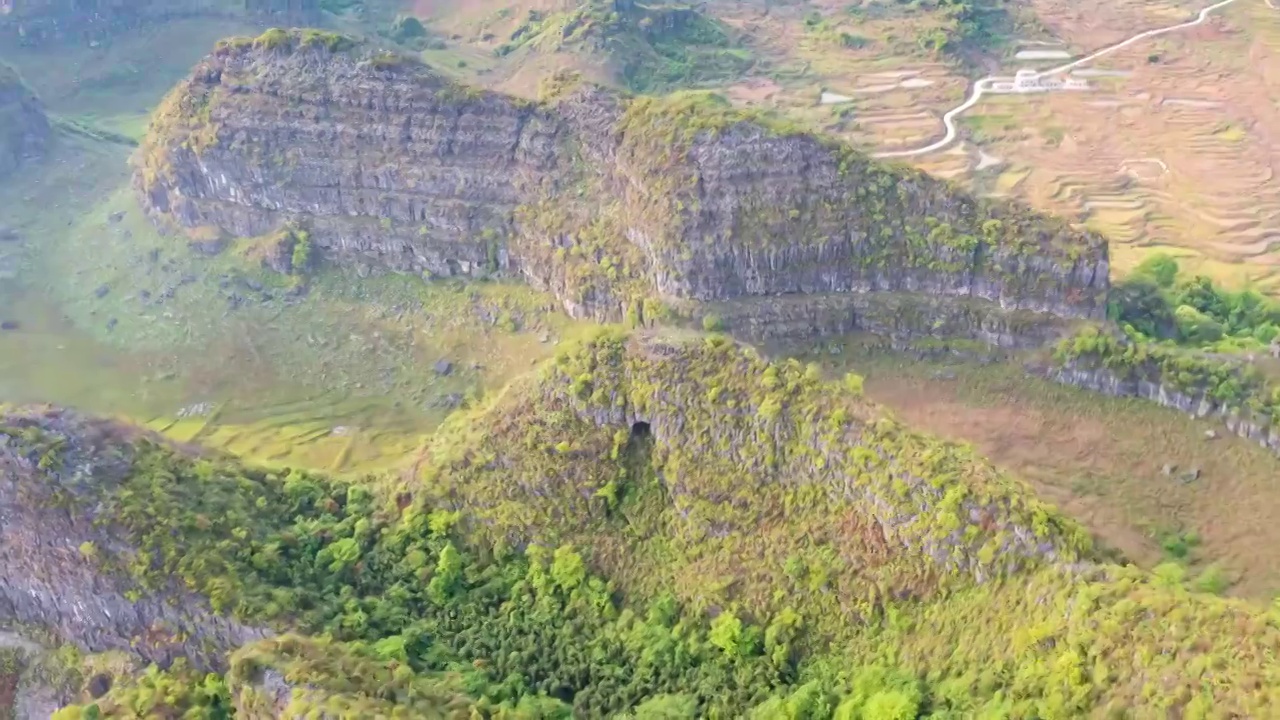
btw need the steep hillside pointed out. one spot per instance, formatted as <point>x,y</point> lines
<point>24,129</point>
<point>698,463</point>
<point>53,466</point>
<point>767,541</point>
<point>617,205</point>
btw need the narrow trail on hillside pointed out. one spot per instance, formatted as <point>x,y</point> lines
<point>982,86</point>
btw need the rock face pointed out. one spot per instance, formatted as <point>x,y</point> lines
<point>48,574</point>
<point>719,444</point>
<point>24,129</point>
<point>1239,418</point>
<point>612,204</point>
<point>37,21</point>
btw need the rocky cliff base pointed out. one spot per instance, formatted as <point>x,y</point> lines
<point>1199,403</point>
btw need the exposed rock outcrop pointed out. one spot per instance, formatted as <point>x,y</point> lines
<point>53,467</point>
<point>608,202</point>
<point>24,128</point>
<point>1240,420</point>
<point>1196,383</point>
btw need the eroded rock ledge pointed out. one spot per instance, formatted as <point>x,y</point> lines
<point>614,204</point>
<point>1230,388</point>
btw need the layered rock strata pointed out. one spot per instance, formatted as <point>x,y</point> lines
<point>610,203</point>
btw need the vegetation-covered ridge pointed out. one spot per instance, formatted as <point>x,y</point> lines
<point>654,47</point>
<point>733,467</point>
<point>433,598</point>
<point>1196,382</point>
<point>289,40</point>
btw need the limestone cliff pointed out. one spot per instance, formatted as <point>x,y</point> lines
<point>55,466</point>
<point>614,204</point>
<point>24,129</point>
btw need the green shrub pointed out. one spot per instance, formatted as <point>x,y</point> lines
<point>891,705</point>
<point>1161,268</point>
<point>1213,580</point>
<point>667,707</point>
<point>1195,327</point>
<point>301,258</point>
<point>713,323</point>
<point>407,27</point>
<point>854,383</point>
<point>852,41</point>
<point>273,39</point>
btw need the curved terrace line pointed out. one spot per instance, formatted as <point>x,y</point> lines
<point>980,87</point>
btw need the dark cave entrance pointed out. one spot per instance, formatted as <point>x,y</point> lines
<point>637,476</point>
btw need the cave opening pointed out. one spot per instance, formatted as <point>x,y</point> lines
<point>638,476</point>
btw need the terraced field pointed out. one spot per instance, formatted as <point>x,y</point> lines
<point>1174,148</point>
<point>855,70</point>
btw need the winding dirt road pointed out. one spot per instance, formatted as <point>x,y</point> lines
<point>982,86</point>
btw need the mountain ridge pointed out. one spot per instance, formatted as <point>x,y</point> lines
<point>619,206</point>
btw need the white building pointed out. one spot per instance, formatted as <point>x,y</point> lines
<point>1027,80</point>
